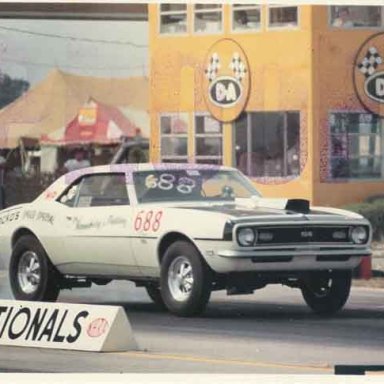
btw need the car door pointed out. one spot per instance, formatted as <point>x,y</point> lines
<point>97,225</point>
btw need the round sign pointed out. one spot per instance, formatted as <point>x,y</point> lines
<point>368,74</point>
<point>97,327</point>
<point>226,80</point>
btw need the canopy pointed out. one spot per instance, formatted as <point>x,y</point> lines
<point>56,102</point>
<point>99,124</point>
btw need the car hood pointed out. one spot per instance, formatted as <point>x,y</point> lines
<point>263,209</point>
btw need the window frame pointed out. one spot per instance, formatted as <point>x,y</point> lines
<point>217,10</point>
<point>286,27</point>
<point>333,28</point>
<point>166,13</point>
<point>330,157</point>
<point>249,146</point>
<point>245,7</point>
<point>203,135</point>
<point>184,135</point>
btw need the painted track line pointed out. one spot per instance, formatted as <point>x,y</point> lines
<point>326,368</point>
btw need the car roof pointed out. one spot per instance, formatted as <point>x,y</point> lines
<point>135,167</point>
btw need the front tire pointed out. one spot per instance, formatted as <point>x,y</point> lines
<point>185,280</point>
<point>327,293</point>
<point>31,274</point>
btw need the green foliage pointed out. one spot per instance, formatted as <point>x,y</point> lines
<point>372,210</point>
<point>11,89</point>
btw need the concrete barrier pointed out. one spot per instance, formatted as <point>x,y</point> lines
<point>65,326</point>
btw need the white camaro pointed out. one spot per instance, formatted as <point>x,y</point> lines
<point>181,231</point>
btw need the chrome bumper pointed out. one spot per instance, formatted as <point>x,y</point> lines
<point>299,251</point>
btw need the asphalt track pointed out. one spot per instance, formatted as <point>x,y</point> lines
<point>271,331</point>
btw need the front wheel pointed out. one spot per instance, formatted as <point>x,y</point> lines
<point>31,274</point>
<point>185,280</point>
<point>326,293</point>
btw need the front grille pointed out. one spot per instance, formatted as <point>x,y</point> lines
<point>303,235</point>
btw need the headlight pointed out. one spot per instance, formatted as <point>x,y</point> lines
<point>246,236</point>
<point>359,235</point>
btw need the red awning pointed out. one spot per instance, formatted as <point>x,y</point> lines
<point>95,123</point>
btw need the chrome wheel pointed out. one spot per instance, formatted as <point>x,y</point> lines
<point>180,278</point>
<point>29,272</point>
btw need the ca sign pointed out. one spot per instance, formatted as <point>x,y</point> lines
<point>226,80</point>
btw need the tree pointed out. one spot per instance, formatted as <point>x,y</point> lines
<point>11,89</point>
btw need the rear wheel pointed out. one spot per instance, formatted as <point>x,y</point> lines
<point>31,274</point>
<point>185,280</point>
<point>326,293</point>
<point>154,293</point>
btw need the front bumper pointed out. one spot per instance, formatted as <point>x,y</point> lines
<point>302,258</point>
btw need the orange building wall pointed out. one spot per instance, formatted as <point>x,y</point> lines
<point>308,69</point>
<point>333,89</point>
<point>280,64</point>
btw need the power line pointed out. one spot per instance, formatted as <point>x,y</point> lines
<point>73,38</point>
<point>49,65</point>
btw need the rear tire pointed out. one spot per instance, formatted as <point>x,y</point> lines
<point>31,274</point>
<point>185,280</point>
<point>327,293</point>
<point>154,293</point>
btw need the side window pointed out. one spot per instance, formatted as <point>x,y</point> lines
<point>98,191</point>
<point>208,18</point>
<point>283,16</point>
<point>356,16</point>
<point>173,18</point>
<point>68,198</point>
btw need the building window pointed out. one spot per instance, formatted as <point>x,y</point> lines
<point>355,146</point>
<point>245,17</point>
<point>267,144</point>
<point>208,140</point>
<point>282,17</point>
<point>174,137</point>
<point>356,16</point>
<point>173,18</point>
<point>208,18</point>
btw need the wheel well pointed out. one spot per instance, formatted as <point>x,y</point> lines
<point>167,240</point>
<point>20,233</point>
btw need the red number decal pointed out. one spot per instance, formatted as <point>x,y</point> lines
<point>156,223</point>
<point>149,221</point>
<point>138,221</point>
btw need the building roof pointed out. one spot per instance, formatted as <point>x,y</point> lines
<point>56,101</point>
<point>87,9</point>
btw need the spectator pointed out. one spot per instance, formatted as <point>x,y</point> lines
<point>343,19</point>
<point>241,19</point>
<point>77,162</point>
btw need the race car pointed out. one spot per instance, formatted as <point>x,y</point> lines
<point>181,231</point>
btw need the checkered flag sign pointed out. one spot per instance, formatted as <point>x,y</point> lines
<point>370,62</point>
<point>213,67</point>
<point>238,67</point>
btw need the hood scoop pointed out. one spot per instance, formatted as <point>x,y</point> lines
<point>294,205</point>
<point>298,205</point>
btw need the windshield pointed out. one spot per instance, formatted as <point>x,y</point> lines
<point>191,184</point>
